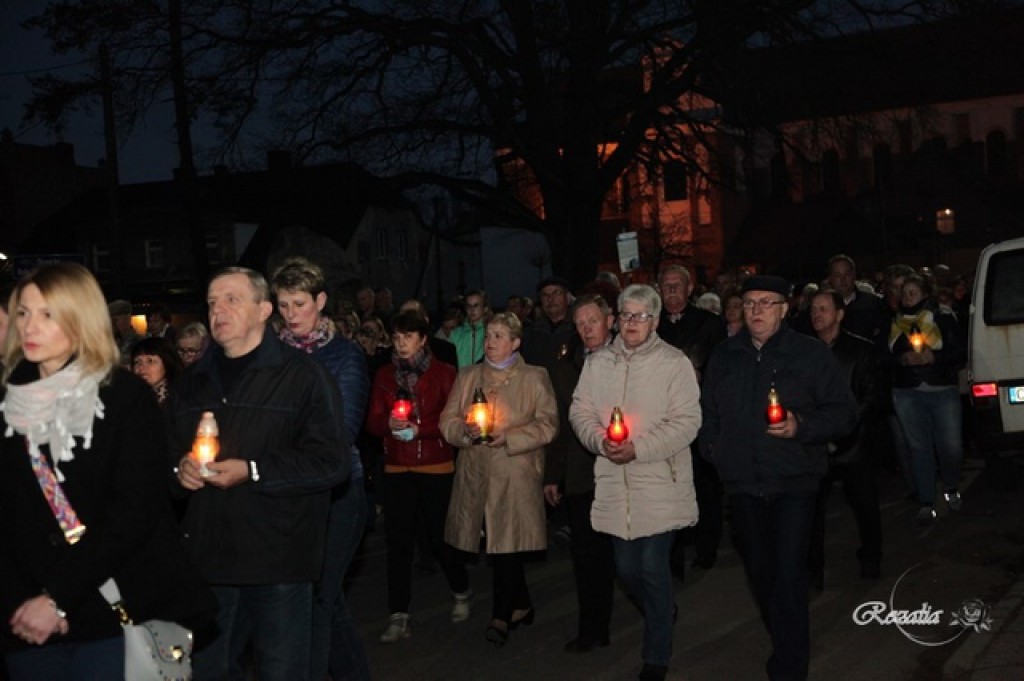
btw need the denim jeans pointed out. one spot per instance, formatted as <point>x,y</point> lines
<point>774,534</point>
<point>337,645</point>
<point>279,618</point>
<point>931,421</point>
<point>91,661</point>
<point>643,567</point>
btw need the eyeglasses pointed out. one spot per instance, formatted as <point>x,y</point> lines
<point>638,317</point>
<point>188,352</point>
<point>758,304</point>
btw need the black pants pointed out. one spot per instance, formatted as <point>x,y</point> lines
<point>593,565</point>
<point>773,535</point>
<point>858,478</point>
<point>509,587</point>
<point>408,498</point>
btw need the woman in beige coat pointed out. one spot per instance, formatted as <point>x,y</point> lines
<point>644,484</point>
<point>498,484</point>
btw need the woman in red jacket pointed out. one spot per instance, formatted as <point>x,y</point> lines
<point>418,467</point>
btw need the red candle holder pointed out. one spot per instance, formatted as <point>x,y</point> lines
<point>775,412</point>
<point>617,431</point>
<point>401,408</point>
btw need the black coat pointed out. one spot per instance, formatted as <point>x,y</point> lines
<point>284,412</point>
<point>117,488</point>
<point>734,397</point>
<point>859,362</point>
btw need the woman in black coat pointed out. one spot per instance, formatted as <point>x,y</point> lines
<point>92,436</point>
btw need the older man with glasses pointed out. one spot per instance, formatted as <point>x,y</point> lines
<point>771,461</point>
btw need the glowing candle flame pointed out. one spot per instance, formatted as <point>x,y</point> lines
<point>617,430</point>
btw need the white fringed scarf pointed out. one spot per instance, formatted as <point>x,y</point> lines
<point>54,411</point>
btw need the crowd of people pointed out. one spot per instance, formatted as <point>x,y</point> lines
<point>630,421</point>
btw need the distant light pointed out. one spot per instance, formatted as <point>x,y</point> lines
<point>3,256</point>
<point>945,221</point>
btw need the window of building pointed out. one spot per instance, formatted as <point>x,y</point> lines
<point>962,128</point>
<point>905,132</point>
<point>363,251</point>
<point>403,246</point>
<point>675,178</point>
<point>882,165</point>
<point>102,260</point>
<point>995,153</point>
<point>381,239</point>
<point>779,176</point>
<point>154,252</point>
<point>830,171</point>
<point>214,252</point>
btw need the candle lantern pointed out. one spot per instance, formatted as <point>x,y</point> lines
<point>617,430</point>
<point>401,408</point>
<point>206,445</point>
<point>775,412</point>
<point>480,413</point>
<point>916,338</point>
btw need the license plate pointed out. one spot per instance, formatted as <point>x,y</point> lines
<point>1015,394</point>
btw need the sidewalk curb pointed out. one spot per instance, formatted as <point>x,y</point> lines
<point>998,654</point>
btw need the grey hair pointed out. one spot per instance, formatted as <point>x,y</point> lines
<point>643,294</point>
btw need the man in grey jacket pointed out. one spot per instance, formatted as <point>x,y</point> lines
<point>772,467</point>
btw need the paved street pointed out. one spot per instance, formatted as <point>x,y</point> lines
<point>978,554</point>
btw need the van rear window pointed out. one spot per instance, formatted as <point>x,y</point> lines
<point>1004,289</point>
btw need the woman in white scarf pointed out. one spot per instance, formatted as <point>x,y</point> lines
<point>82,490</point>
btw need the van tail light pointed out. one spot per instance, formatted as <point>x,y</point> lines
<point>980,390</point>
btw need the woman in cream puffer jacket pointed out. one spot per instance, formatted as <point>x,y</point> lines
<point>644,486</point>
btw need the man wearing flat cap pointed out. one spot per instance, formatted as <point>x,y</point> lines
<point>772,467</point>
<point>547,339</point>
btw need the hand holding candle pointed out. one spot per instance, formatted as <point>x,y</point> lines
<point>481,418</point>
<point>775,412</point>
<point>916,339</point>
<point>617,431</point>
<point>206,445</point>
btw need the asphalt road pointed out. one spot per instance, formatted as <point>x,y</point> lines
<point>976,554</point>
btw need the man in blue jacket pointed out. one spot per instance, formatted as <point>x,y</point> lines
<point>772,471</point>
<point>256,519</point>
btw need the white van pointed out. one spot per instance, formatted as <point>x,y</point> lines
<point>995,357</point>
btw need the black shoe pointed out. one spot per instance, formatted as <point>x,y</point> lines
<point>496,635</point>
<point>704,561</point>
<point>584,644</point>
<point>526,620</point>
<point>653,672</point>
<point>870,570</point>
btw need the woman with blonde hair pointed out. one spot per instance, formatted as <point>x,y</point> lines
<point>81,436</point>
<point>499,479</point>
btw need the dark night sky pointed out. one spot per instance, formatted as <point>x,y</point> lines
<point>149,153</point>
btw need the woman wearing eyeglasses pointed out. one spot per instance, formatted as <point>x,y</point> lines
<point>644,484</point>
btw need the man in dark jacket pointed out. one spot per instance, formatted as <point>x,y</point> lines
<point>850,458</point>
<point>256,520</point>
<point>569,468</point>
<point>772,471</point>
<point>696,332</point>
<point>547,339</point>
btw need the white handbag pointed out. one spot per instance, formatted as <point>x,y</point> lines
<point>155,650</point>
